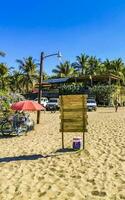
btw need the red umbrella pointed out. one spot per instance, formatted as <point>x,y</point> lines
<point>27,106</point>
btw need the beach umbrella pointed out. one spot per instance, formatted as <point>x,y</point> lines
<point>27,106</point>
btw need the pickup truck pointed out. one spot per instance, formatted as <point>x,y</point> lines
<point>91,104</point>
<point>53,104</point>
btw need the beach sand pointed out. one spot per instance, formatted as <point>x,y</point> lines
<point>33,168</point>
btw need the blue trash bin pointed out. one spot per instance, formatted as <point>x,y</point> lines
<point>77,143</point>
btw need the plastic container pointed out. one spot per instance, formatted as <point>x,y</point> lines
<point>77,143</point>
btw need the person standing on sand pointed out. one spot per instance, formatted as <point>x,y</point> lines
<point>116,104</point>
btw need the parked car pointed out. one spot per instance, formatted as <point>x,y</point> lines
<point>91,104</point>
<point>44,101</point>
<point>53,104</point>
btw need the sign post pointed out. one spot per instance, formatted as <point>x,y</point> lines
<point>73,112</point>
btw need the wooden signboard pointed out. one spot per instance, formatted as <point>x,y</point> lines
<point>73,111</point>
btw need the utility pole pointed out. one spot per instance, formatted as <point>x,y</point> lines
<point>58,54</point>
<point>40,84</point>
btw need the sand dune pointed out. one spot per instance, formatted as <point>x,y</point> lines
<point>31,168</point>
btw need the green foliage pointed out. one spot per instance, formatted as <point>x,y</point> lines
<point>4,71</point>
<point>24,79</point>
<point>72,89</point>
<point>28,77</point>
<point>103,93</point>
<point>64,70</point>
<point>81,64</point>
<point>5,100</point>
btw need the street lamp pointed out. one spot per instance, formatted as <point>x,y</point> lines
<point>42,57</point>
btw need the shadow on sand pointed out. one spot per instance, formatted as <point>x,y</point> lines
<point>18,158</point>
<point>7,136</point>
<point>65,150</point>
<point>59,152</point>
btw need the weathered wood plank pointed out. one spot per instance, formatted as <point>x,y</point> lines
<point>74,124</point>
<point>73,103</point>
<point>73,106</point>
<point>68,102</point>
<point>75,119</point>
<point>73,97</point>
<point>73,130</point>
<point>78,99</point>
<point>73,110</point>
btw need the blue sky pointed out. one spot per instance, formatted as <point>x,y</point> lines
<point>94,27</point>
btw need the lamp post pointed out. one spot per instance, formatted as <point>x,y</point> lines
<point>42,57</point>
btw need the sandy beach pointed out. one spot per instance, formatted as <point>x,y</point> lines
<point>33,168</point>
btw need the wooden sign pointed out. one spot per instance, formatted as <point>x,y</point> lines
<point>73,111</point>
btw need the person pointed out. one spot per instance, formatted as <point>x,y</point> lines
<point>53,110</point>
<point>116,104</point>
<point>29,121</point>
<point>16,122</point>
<point>23,116</point>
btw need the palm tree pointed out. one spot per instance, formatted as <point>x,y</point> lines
<point>100,69</point>
<point>81,64</point>
<point>28,69</point>
<point>45,76</point>
<point>64,70</point>
<point>108,66</point>
<point>114,66</point>
<point>3,76</point>
<point>15,82</point>
<point>94,66</point>
<point>118,66</point>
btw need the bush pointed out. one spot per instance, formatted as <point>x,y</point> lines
<point>103,93</point>
<point>73,89</point>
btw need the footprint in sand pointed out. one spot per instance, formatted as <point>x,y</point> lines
<point>97,193</point>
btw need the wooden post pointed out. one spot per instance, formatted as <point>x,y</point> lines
<point>62,140</point>
<point>83,137</point>
<point>61,100</point>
